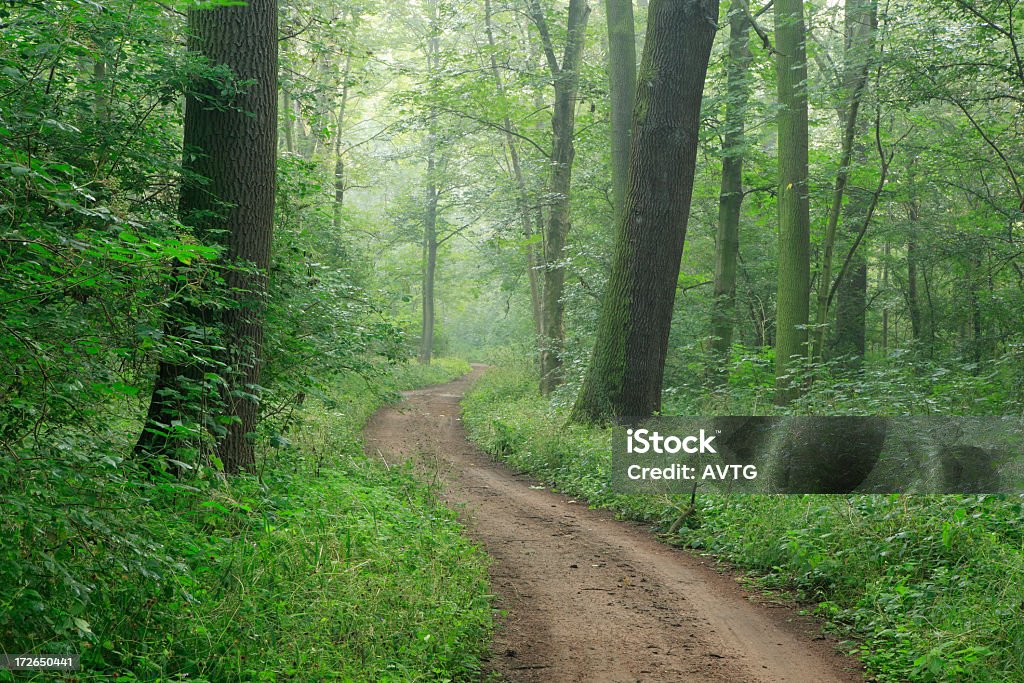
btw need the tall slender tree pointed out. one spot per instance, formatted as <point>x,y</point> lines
<point>860,18</point>
<point>625,374</point>
<point>526,217</point>
<point>430,243</point>
<point>565,78</point>
<point>730,198</point>
<point>230,152</point>
<point>792,300</point>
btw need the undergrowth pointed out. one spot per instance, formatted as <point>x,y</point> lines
<point>924,589</point>
<point>323,565</point>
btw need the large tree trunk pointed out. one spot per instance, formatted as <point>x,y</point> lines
<point>565,78</point>
<point>794,211</point>
<point>622,91</point>
<point>523,195</point>
<point>730,198</point>
<point>234,148</point>
<point>625,375</point>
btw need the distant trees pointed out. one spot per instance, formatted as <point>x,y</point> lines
<point>230,151</point>
<point>625,374</point>
<point>523,203</point>
<point>431,198</point>
<point>860,19</point>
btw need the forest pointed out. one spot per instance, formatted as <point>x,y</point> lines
<point>238,236</point>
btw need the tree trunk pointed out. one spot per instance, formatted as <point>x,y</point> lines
<point>914,306</point>
<point>885,308</point>
<point>860,20</point>
<point>849,341</point>
<point>523,196</point>
<point>625,374</point>
<point>794,211</point>
<point>622,91</point>
<point>234,148</point>
<point>287,122</point>
<point>339,161</point>
<point>430,242</point>
<point>429,258</point>
<point>565,78</point>
<point>913,298</point>
<point>979,345</point>
<point>730,198</point>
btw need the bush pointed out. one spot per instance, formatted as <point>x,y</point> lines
<point>322,565</point>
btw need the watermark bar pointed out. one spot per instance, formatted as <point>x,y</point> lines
<point>39,662</point>
<point>833,454</point>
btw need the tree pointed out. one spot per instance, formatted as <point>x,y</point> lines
<point>430,243</point>
<point>730,198</point>
<point>625,374</point>
<point>860,19</point>
<point>523,195</point>
<point>565,79</point>
<point>622,90</point>
<point>227,195</point>
<point>793,206</point>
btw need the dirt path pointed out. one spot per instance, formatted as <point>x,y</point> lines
<point>588,598</point>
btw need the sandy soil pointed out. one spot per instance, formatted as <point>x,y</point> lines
<point>588,598</point>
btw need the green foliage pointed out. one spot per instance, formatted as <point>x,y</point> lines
<point>413,375</point>
<point>926,588</point>
<point>325,565</point>
<point>322,320</point>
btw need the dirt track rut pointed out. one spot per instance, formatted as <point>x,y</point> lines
<point>588,598</point>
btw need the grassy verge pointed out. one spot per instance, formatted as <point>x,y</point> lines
<point>323,566</point>
<point>927,588</point>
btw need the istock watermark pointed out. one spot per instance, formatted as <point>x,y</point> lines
<point>827,454</point>
<point>644,441</point>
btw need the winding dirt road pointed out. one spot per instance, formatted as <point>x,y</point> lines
<point>587,598</point>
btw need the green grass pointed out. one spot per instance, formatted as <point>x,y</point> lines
<point>414,375</point>
<point>925,589</point>
<point>324,566</point>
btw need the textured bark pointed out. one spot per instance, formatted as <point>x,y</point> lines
<point>730,198</point>
<point>234,148</point>
<point>625,374</point>
<point>523,195</point>
<point>565,78</point>
<point>794,211</point>
<point>622,91</point>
